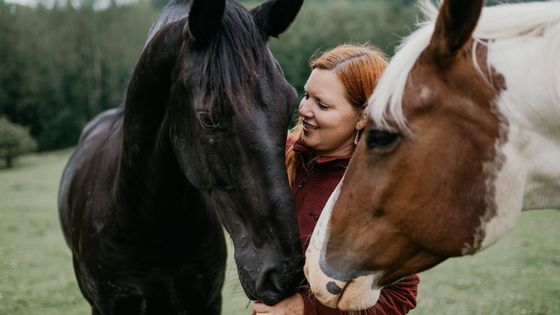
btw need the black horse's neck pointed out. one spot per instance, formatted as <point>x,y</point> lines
<point>155,201</point>
<point>147,163</point>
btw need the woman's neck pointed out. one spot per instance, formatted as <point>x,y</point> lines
<point>342,151</point>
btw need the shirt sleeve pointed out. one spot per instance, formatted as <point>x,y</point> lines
<point>395,299</point>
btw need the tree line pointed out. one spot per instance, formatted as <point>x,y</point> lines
<point>61,65</point>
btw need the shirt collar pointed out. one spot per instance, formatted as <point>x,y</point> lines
<point>308,155</point>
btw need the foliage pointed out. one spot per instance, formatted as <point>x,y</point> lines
<point>15,140</point>
<point>319,27</point>
<point>61,65</point>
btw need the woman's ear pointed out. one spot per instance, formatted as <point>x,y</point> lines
<point>362,121</point>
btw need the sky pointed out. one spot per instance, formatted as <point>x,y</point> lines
<point>100,4</point>
<point>26,2</point>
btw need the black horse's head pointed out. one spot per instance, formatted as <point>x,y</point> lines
<point>231,107</point>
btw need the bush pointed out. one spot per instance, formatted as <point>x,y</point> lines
<point>15,140</point>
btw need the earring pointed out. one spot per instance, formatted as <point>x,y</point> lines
<point>357,137</point>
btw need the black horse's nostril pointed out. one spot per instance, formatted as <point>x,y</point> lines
<point>268,278</point>
<point>270,286</point>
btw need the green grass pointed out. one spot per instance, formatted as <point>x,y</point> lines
<point>519,275</point>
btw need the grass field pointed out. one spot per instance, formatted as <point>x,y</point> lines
<point>520,275</point>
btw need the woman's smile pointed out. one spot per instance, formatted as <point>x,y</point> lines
<point>307,126</point>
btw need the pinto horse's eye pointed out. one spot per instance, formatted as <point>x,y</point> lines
<point>382,141</point>
<point>207,121</point>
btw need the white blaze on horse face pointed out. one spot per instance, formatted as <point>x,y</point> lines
<point>530,174</point>
<point>360,293</point>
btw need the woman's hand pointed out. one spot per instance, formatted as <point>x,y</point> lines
<point>290,306</point>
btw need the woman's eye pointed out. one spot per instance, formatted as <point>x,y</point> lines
<point>207,121</point>
<point>323,106</point>
<point>306,95</point>
<point>382,141</point>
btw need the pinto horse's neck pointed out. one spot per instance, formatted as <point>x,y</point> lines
<point>530,106</point>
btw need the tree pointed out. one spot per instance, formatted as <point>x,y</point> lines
<point>15,140</point>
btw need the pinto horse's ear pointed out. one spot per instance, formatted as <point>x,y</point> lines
<point>205,17</point>
<point>274,16</point>
<point>455,24</point>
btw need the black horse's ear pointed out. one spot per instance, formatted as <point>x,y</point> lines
<point>455,24</point>
<point>274,16</point>
<point>205,17</point>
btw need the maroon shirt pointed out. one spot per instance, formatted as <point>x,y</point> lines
<point>312,188</point>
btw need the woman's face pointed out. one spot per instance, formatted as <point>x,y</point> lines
<point>329,120</point>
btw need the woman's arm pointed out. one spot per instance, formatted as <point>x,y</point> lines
<point>293,305</point>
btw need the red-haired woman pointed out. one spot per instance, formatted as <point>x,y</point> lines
<point>319,148</point>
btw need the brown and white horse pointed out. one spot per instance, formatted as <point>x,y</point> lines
<point>464,133</point>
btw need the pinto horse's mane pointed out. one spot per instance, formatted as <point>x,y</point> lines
<point>230,62</point>
<point>496,22</point>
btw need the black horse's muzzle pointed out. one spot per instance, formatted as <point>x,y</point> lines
<point>269,278</point>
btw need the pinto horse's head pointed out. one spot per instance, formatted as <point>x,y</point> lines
<point>229,114</point>
<point>434,175</point>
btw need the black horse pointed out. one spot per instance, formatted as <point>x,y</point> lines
<point>198,144</point>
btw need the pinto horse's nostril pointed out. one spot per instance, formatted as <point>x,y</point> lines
<point>333,288</point>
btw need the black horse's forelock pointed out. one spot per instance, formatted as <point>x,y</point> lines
<point>233,62</point>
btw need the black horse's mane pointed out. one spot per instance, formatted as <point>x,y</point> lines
<point>172,12</point>
<point>233,60</point>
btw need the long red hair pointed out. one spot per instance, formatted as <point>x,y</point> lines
<point>358,67</point>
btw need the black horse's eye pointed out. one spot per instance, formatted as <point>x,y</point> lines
<point>382,141</point>
<point>207,121</point>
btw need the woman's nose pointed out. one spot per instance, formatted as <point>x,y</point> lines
<point>304,109</point>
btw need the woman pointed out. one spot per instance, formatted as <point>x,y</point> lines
<point>318,151</point>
